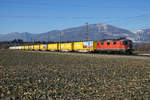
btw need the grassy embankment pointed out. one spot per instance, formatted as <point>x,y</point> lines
<point>27,76</point>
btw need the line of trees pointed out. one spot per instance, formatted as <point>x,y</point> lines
<point>7,44</point>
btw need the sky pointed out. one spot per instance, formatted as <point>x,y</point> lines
<point>38,16</point>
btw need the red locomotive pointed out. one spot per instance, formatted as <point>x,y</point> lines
<point>115,46</point>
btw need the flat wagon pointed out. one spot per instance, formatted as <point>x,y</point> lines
<point>30,47</point>
<point>65,46</point>
<point>26,47</point>
<point>22,47</point>
<point>43,47</point>
<point>87,46</point>
<point>53,47</point>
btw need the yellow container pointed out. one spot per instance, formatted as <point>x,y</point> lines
<point>84,46</point>
<point>30,47</point>
<point>26,47</point>
<point>66,46</point>
<point>43,47</point>
<point>53,47</point>
<point>36,47</point>
<point>22,47</point>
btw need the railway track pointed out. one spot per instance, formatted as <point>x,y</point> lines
<point>134,56</point>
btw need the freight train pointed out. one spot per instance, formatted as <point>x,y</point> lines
<point>103,46</point>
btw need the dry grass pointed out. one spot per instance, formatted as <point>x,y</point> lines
<point>27,76</point>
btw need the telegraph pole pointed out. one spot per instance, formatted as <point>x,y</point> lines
<point>31,40</point>
<point>60,40</point>
<point>102,31</point>
<point>33,44</point>
<point>87,29</point>
<point>48,38</point>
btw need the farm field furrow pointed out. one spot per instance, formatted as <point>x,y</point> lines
<point>33,75</point>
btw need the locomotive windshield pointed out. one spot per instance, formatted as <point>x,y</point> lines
<point>129,43</point>
<point>125,42</point>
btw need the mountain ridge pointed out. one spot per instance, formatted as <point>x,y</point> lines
<point>95,32</point>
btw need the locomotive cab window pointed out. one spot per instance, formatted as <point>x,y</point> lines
<point>108,43</point>
<point>130,43</point>
<point>125,42</point>
<point>114,43</point>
